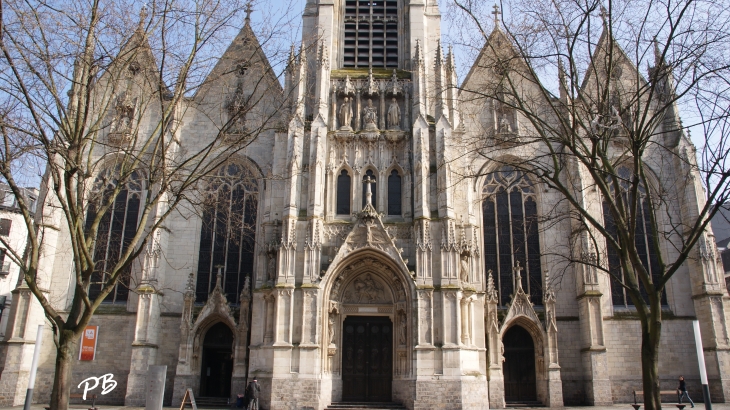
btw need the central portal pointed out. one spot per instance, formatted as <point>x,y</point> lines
<point>367,364</point>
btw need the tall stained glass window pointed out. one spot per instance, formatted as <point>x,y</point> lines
<point>511,233</point>
<point>115,231</point>
<point>228,232</point>
<point>644,240</point>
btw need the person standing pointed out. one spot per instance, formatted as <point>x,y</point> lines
<point>682,392</point>
<point>252,392</point>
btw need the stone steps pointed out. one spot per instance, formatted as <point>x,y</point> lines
<point>212,402</point>
<point>365,406</point>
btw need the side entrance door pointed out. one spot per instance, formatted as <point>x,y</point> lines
<point>519,366</point>
<point>367,359</point>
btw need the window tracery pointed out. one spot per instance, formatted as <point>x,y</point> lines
<point>509,209</point>
<point>228,232</point>
<point>644,241</point>
<point>116,228</point>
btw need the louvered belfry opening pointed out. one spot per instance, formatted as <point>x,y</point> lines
<point>371,33</point>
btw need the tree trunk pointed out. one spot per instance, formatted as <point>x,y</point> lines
<point>64,360</point>
<point>650,362</point>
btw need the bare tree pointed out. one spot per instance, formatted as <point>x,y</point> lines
<point>97,96</point>
<point>608,138</point>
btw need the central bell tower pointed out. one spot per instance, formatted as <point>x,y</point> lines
<point>373,33</point>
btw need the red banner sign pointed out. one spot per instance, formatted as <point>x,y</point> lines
<point>88,343</point>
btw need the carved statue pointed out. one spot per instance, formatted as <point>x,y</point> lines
<point>237,111</point>
<point>125,114</point>
<point>393,115</point>
<point>331,328</point>
<point>504,126</point>
<point>370,116</point>
<point>271,266</point>
<point>346,115</point>
<point>368,290</point>
<point>464,266</point>
<point>402,330</point>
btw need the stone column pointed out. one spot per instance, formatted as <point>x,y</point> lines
<point>465,337</point>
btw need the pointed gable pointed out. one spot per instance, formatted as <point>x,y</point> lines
<point>608,60</point>
<point>242,95</point>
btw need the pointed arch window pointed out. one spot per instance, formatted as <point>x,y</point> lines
<point>394,193</point>
<point>343,193</point>
<point>645,242</point>
<point>115,230</point>
<point>511,234</point>
<point>373,188</point>
<point>228,232</point>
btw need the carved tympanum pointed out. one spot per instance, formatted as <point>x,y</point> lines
<point>366,289</point>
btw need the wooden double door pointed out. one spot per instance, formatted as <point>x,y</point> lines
<point>367,359</point>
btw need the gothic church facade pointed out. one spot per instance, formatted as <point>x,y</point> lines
<point>372,273</point>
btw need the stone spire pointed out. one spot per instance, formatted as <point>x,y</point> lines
<point>452,85</point>
<point>419,82</point>
<point>441,86</point>
<point>562,78</point>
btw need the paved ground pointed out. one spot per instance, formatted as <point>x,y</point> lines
<point>668,406</point>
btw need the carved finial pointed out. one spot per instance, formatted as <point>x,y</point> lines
<point>450,60</point>
<point>246,286</point>
<point>491,289</point>
<point>323,55</point>
<point>518,274</point>
<point>657,53</point>
<point>368,193</point>
<point>248,11</point>
<point>496,14</point>
<point>142,16</point>
<point>219,276</point>
<point>604,14</point>
<point>417,54</point>
<point>439,54</point>
<point>190,287</point>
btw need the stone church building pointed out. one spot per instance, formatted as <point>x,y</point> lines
<point>368,270</point>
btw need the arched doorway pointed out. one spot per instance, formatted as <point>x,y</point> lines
<point>519,366</point>
<point>217,362</point>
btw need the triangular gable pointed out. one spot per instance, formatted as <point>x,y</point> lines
<point>245,47</point>
<point>368,233</point>
<point>599,57</point>
<point>520,306</point>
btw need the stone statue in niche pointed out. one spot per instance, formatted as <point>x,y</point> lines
<point>370,117</point>
<point>504,125</point>
<point>271,265</point>
<point>346,115</point>
<point>331,328</point>
<point>464,266</point>
<point>236,110</point>
<point>124,114</point>
<point>393,116</point>
<point>402,329</point>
